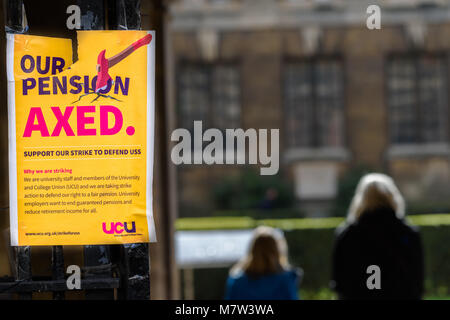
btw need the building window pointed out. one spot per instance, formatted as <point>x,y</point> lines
<point>417,99</point>
<point>210,93</point>
<point>314,103</point>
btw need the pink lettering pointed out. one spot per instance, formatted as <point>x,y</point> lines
<point>111,231</point>
<point>82,120</point>
<point>119,224</point>
<point>63,121</point>
<point>41,126</point>
<point>104,111</point>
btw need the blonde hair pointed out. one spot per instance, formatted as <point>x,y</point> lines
<point>267,254</point>
<point>374,191</point>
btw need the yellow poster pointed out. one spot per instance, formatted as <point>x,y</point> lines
<point>81,138</point>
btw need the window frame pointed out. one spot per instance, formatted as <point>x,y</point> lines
<point>209,66</point>
<point>313,61</point>
<point>415,56</point>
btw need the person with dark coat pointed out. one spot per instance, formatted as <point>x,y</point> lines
<point>377,254</point>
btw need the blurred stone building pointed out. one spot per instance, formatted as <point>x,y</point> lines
<point>342,95</point>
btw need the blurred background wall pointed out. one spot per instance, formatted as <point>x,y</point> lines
<point>346,98</point>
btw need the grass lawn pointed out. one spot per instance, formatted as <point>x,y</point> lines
<point>226,223</point>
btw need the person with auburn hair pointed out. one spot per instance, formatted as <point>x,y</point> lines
<point>264,273</point>
<point>376,234</point>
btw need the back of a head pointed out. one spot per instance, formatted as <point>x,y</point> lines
<point>267,254</point>
<point>376,191</point>
<point>373,235</point>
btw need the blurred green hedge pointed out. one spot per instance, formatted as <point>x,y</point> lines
<point>310,247</point>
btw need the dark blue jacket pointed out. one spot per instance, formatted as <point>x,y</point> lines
<point>278,286</point>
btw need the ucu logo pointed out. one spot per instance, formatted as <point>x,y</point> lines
<point>119,227</point>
